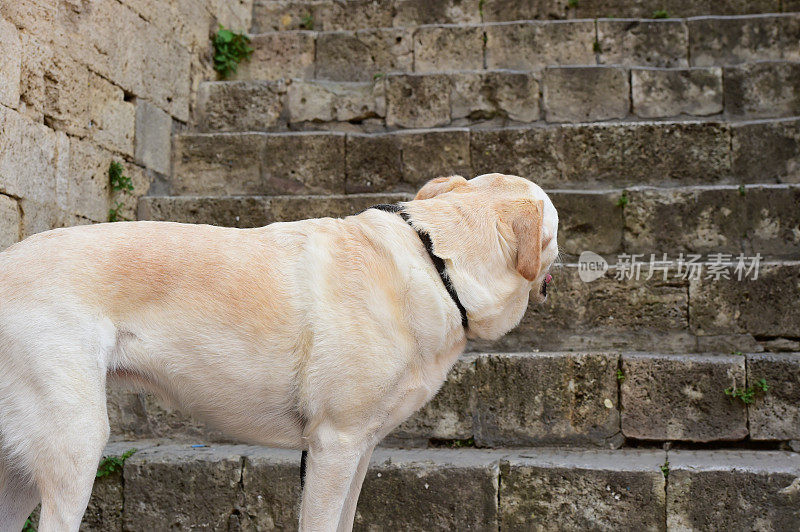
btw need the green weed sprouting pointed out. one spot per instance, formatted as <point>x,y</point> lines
<point>660,13</point>
<point>665,469</point>
<point>307,22</point>
<point>748,395</point>
<point>230,49</point>
<point>118,182</point>
<point>623,199</point>
<point>112,464</point>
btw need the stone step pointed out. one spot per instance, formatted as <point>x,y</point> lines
<point>240,487</point>
<point>282,15</point>
<point>558,94</point>
<point>702,220</point>
<point>567,156</point>
<point>669,312</point>
<point>580,398</point>
<point>524,45</point>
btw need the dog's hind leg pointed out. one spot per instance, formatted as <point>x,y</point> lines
<point>67,462</point>
<point>18,498</point>
<point>53,419</point>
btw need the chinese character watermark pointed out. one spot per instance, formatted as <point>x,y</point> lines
<point>716,267</point>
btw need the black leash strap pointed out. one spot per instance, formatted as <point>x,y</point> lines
<point>437,260</point>
<point>303,469</point>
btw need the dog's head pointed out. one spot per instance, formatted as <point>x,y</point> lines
<point>497,235</point>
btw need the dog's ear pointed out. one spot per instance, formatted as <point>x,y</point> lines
<point>440,185</point>
<point>527,226</point>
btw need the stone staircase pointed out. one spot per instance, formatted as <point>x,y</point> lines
<point>606,408</point>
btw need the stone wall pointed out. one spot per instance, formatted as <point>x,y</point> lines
<point>87,82</point>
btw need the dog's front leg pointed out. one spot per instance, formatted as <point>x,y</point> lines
<point>332,467</point>
<point>349,511</point>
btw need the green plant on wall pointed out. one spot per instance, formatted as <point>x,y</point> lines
<point>119,183</point>
<point>748,395</point>
<point>111,464</point>
<point>230,49</point>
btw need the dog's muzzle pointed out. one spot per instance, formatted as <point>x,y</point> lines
<point>547,279</point>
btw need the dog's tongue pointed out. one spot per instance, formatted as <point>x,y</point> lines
<point>548,278</point>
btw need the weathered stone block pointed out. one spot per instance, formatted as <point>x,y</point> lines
<point>527,152</point>
<point>488,94</point>
<point>662,93</point>
<point>153,137</point>
<point>178,486</point>
<point>764,151</point>
<point>429,490</point>
<point>772,220</point>
<point>418,12</point>
<point>321,15</point>
<point>304,163</point>
<point>325,101</point>
<point>681,397</point>
<point>271,485</point>
<point>449,415</point>
<point>588,221</point>
<point>546,398</point>
<point>585,94</point>
<point>34,62</point>
<point>358,56</point>
<point>626,314</point>
<point>186,21</point>
<point>127,414</point>
<point>434,153</point>
<point>239,105</point>
<point>502,10</point>
<point>289,209</point>
<point>657,43</point>
<point>535,45</point>
<point>112,118</point>
<point>218,164</point>
<point>251,163</point>
<point>583,490</point>
<point>374,163</point>
<point>763,90</point>
<point>441,48</point>
<point>256,211</point>
<point>730,41</point>
<point>279,55</point>
<point>152,65</point>
<point>10,64</point>
<point>88,187</point>
<point>66,95</point>
<point>775,414</point>
<point>744,490</point>
<point>694,220</point>
<point>645,153</point>
<point>249,211</point>
<point>766,306</point>
<point>417,100</point>
<point>9,222</point>
<point>714,220</point>
<point>39,217</point>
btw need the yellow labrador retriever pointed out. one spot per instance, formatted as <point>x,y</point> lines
<point>321,334</point>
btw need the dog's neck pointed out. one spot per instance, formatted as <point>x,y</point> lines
<point>438,262</point>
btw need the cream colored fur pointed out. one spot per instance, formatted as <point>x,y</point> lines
<point>322,334</point>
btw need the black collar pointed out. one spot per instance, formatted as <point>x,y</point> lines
<point>437,260</point>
